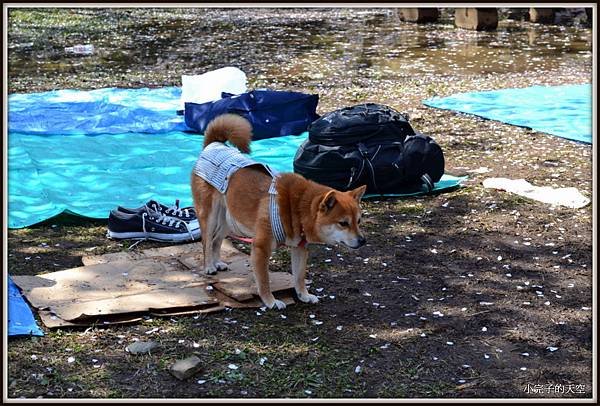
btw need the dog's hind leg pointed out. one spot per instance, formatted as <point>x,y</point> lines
<point>219,233</point>
<point>212,218</point>
<point>299,257</point>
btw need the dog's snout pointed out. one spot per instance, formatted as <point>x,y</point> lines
<point>361,240</point>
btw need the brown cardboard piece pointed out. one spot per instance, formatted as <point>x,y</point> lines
<point>121,287</point>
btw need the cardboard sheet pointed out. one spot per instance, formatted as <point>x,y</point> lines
<point>122,287</point>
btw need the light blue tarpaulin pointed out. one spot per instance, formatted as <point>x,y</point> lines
<point>564,111</point>
<point>123,160</point>
<point>20,317</point>
<point>90,175</point>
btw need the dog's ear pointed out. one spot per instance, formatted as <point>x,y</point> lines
<point>328,201</point>
<point>358,192</point>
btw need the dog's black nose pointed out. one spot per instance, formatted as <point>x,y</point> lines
<point>361,240</point>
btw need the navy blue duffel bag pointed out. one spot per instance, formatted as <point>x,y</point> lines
<point>271,113</point>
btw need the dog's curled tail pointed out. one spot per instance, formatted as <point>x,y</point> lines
<point>229,127</point>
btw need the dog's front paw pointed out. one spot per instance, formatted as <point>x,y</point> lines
<point>307,298</point>
<point>274,303</point>
<point>279,304</point>
<point>221,266</point>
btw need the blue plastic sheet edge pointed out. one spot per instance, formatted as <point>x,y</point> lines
<point>20,317</point>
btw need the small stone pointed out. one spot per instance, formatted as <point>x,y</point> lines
<point>141,347</point>
<point>185,368</point>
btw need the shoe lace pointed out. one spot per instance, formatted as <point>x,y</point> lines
<point>166,220</point>
<point>178,211</point>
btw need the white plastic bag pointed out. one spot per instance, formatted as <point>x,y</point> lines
<point>568,196</point>
<point>208,86</point>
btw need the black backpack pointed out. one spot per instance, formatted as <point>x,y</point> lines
<point>369,144</point>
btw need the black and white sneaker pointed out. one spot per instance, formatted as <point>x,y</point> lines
<point>148,224</point>
<point>182,213</point>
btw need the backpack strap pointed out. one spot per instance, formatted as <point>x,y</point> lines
<point>427,182</point>
<point>364,152</point>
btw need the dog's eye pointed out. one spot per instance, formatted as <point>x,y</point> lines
<point>343,223</point>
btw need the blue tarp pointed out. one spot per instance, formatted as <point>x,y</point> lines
<point>564,111</point>
<point>100,111</point>
<point>20,318</point>
<point>52,169</point>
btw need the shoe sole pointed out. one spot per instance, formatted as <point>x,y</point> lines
<point>152,236</point>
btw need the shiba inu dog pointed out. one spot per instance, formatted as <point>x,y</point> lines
<point>234,194</point>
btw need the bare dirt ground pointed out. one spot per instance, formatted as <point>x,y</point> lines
<point>474,293</point>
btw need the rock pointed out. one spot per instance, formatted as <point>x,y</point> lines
<point>141,347</point>
<point>185,368</point>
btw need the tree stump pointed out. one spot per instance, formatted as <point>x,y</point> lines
<point>419,15</point>
<point>541,15</point>
<point>476,18</point>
